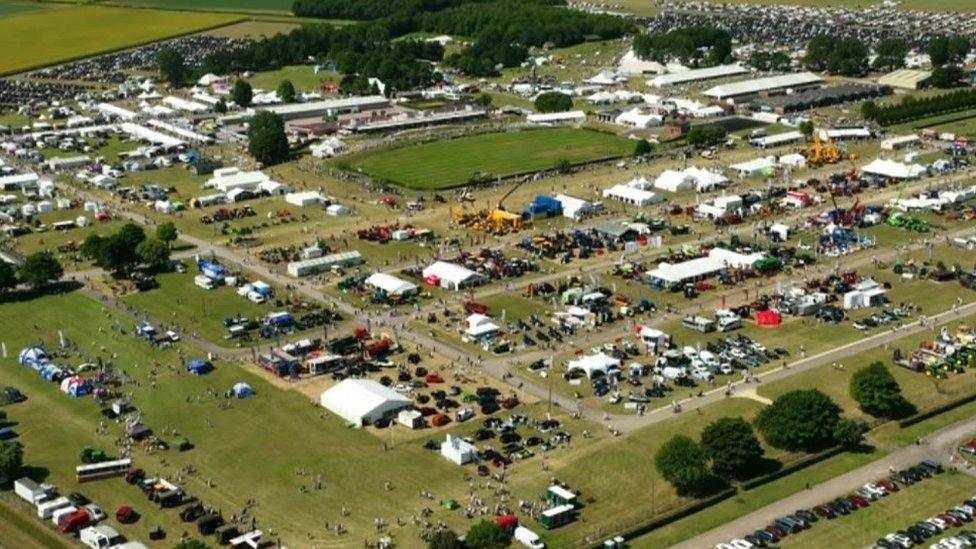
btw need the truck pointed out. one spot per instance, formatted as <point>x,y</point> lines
<point>698,323</point>
<point>527,538</point>
<point>30,491</point>
<point>47,508</point>
<point>726,320</point>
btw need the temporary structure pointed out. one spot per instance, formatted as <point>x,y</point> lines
<point>198,367</point>
<point>363,401</point>
<point>458,451</point>
<point>242,390</point>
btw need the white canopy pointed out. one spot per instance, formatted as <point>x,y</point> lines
<point>593,364</point>
<point>893,169</point>
<point>363,401</point>
<point>391,284</point>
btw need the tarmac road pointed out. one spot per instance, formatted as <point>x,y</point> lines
<point>938,446</point>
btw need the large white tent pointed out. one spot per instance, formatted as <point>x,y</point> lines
<point>451,276</point>
<point>363,401</point>
<point>391,285</point>
<point>593,365</point>
<point>894,169</point>
<point>632,195</point>
<point>689,178</point>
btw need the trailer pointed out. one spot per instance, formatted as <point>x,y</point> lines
<point>47,508</point>
<point>30,491</point>
<point>699,323</point>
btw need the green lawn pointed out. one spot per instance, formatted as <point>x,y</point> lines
<point>892,513</point>
<point>87,30</point>
<point>251,449</point>
<point>302,76</point>
<point>178,300</point>
<point>452,163</point>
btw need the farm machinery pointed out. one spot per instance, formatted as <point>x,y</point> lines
<point>496,220</point>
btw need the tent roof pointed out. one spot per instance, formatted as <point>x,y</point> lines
<point>352,399</point>
<point>390,284</point>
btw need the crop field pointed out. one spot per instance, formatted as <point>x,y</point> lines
<point>60,35</point>
<point>241,6</point>
<point>447,164</point>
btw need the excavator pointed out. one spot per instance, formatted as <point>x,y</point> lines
<point>495,220</point>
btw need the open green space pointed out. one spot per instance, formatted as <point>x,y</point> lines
<point>445,164</point>
<point>239,6</point>
<point>62,243</point>
<point>179,301</point>
<point>302,76</point>
<point>248,448</point>
<point>889,514</point>
<point>83,31</point>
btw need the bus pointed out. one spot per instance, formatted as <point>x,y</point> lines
<point>105,469</point>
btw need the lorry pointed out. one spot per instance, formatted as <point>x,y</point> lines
<point>527,538</point>
<point>698,323</point>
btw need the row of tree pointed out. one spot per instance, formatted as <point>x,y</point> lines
<point>797,421</point>
<point>912,108</point>
<point>700,46</point>
<point>121,252</point>
<point>365,10</point>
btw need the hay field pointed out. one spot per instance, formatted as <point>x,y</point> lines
<point>37,39</point>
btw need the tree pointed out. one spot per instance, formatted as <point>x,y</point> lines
<point>172,67</point>
<point>642,147</point>
<point>8,276</point>
<point>769,61</point>
<point>799,420</point>
<point>733,448</point>
<point>154,253</point>
<point>869,109</point>
<point>39,269</point>
<point>878,393</point>
<point>444,539</point>
<point>242,94</point>
<point>286,91</point>
<point>486,535</point>
<point>806,128</point>
<point>849,433</point>
<point>553,102</point>
<point>705,135</point>
<point>938,50</point>
<point>11,459</point>
<point>166,232</point>
<point>947,76</point>
<point>485,100</point>
<point>131,235</point>
<point>267,142</point>
<point>684,464</point>
<point>844,56</point>
<point>958,48</point>
<point>890,54</point>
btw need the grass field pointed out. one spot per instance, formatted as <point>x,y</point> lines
<point>251,449</point>
<point>302,76</point>
<point>240,6</point>
<point>446,164</point>
<point>28,42</point>
<point>892,513</point>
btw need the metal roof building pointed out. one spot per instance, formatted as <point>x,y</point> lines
<point>768,84</point>
<point>696,75</point>
<point>908,79</point>
<point>329,107</point>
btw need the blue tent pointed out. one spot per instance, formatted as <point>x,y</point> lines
<point>212,269</point>
<point>32,355</point>
<point>242,390</point>
<point>198,367</point>
<point>280,319</point>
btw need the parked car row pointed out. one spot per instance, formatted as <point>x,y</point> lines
<point>860,498</point>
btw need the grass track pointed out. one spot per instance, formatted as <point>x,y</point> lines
<point>446,164</point>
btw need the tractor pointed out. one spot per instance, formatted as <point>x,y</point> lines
<point>90,454</point>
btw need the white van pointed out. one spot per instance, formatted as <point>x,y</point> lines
<point>528,538</point>
<point>204,282</point>
<point>98,537</point>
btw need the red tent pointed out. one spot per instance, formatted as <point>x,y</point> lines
<point>768,317</point>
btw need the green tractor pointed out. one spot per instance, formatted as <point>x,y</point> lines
<point>90,454</point>
<point>768,266</point>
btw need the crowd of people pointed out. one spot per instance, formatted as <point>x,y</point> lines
<point>791,26</point>
<point>115,67</point>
